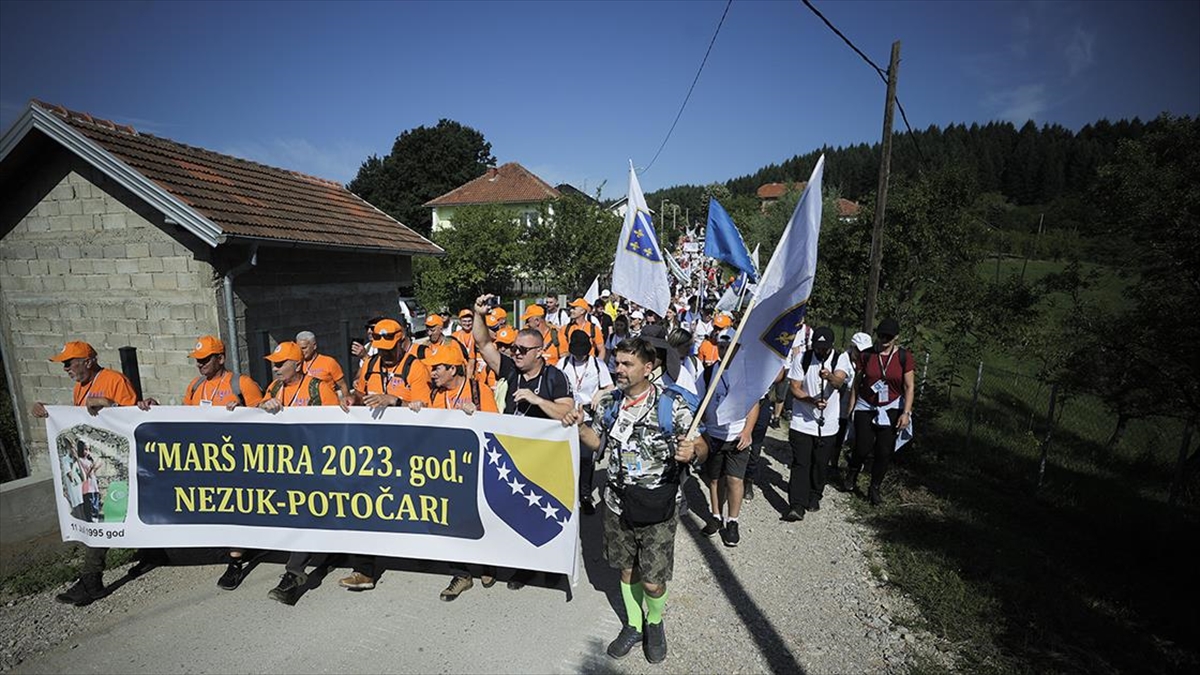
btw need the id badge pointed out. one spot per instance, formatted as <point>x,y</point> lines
<point>632,462</point>
<point>881,388</point>
<point>205,404</point>
<point>622,430</point>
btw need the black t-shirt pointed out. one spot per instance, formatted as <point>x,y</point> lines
<point>606,323</point>
<point>550,384</point>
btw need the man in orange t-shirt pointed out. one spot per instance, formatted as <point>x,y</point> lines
<point>215,385</point>
<point>321,366</point>
<point>466,322</point>
<point>394,376</point>
<point>581,321</point>
<point>95,388</point>
<point>453,390</point>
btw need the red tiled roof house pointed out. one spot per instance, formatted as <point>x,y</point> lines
<point>510,185</point>
<point>122,238</point>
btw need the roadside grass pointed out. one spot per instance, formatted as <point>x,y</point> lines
<point>48,570</point>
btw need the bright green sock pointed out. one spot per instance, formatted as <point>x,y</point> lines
<point>632,594</point>
<point>655,606</point>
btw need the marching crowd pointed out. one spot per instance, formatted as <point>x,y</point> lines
<point>631,380</point>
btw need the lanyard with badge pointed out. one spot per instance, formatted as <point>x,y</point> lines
<point>622,431</point>
<point>881,386</point>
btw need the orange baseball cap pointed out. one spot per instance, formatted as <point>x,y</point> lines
<point>433,320</point>
<point>499,313</point>
<point>466,312</point>
<point>74,350</point>
<point>206,346</point>
<point>285,351</point>
<point>722,320</point>
<point>493,321</point>
<point>532,311</point>
<point>386,333</point>
<point>447,356</point>
<point>580,303</point>
<point>505,336</point>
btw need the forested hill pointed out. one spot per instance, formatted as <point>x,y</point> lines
<point>1030,165</point>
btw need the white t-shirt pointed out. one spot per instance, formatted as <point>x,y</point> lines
<point>714,430</point>
<point>586,378</point>
<point>805,415</point>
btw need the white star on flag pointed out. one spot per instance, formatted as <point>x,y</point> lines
<point>494,456</point>
<point>516,486</point>
<point>550,511</point>
<point>534,499</point>
<point>504,471</point>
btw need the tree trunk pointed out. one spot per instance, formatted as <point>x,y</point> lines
<point>1118,433</point>
<point>1181,464</point>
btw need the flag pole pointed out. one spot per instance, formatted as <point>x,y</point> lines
<point>699,417</point>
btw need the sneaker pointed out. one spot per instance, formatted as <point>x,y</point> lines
<point>514,585</point>
<point>655,644</point>
<point>815,506</point>
<point>775,422</point>
<point>626,639</point>
<point>713,527</point>
<point>146,561</point>
<point>730,537</point>
<point>748,495</point>
<point>456,588</point>
<point>792,516</point>
<point>874,496</point>
<point>288,590</point>
<point>587,507</point>
<point>487,580</point>
<point>357,582</point>
<point>232,578</point>
<point>84,592</point>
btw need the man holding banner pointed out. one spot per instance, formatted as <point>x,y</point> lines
<point>643,432</point>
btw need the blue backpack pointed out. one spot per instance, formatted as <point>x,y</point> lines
<point>666,405</point>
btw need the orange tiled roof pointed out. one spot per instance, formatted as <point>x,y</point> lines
<point>777,190</point>
<point>507,184</point>
<point>847,208</point>
<point>247,199</point>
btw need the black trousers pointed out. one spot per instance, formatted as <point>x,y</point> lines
<point>587,474</point>
<point>839,439</point>
<point>810,460</point>
<point>872,439</point>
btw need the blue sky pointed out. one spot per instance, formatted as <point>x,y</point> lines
<point>574,90</point>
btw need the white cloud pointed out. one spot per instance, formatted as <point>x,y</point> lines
<point>1079,51</point>
<point>1019,104</point>
<point>339,162</point>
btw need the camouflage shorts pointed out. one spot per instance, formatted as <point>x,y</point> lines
<point>649,550</point>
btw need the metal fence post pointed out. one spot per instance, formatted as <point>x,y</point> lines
<point>129,366</point>
<point>1049,432</point>
<point>974,402</point>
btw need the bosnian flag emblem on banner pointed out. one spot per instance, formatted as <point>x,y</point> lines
<point>529,484</point>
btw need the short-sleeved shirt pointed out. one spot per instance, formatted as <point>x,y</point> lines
<point>727,432</point>
<point>875,367</point>
<point>219,391</point>
<point>448,399</point>
<point>586,378</point>
<point>325,368</point>
<point>804,414</point>
<point>595,335</point>
<point>708,353</point>
<point>307,391</point>
<point>376,378</point>
<point>549,384</point>
<point>551,352</point>
<point>646,459</point>
<point>467,339</point>
<point>107,384</point>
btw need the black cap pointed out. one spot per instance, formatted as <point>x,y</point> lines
<point>888,326</point>
<point>581,344</point>
<point>822,338</point>
<point>655,335</point>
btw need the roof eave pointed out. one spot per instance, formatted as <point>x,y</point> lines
<point>349,248</point>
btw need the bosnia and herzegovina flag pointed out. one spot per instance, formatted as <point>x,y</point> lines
<point>639,270</point>
<point>529,484</point>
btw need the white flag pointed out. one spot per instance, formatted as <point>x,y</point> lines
<point>639,270</point>
<point>778,309</point>
<point>593,292</point>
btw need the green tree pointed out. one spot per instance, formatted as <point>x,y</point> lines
<point>484,253</point>
<point>573,243</point>
<point>424,163</point>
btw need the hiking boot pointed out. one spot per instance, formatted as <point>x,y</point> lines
<point>357,582</point>
<point>587,507</point>
<point>713,527</point>
<point>88,589</point>
<point>626,639</point>
<point>456,588</point>
<point>146,561</point>
<point>232,578</point>
<point>655,644</point>
<point>730,537</point>
<point>487,580</point>
<point>815,506</point>
<point>874,496</point>
<point>792,516</point>
<point>288,590</point>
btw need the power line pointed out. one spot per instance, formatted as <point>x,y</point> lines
<point>883,74</point>
<point>691,88</point>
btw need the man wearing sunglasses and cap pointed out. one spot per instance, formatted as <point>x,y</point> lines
<point>95,388</point>
<point>883,391</point>
<point>551,348</point>
<point>395,375</point>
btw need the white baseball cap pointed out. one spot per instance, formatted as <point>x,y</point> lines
<point>637,314</point>
<point>605,293</point>
<point>862,341</point>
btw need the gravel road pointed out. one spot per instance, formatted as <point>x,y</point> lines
<point>793,597</point>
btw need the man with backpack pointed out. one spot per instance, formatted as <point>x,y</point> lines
<point>815,377</point>
<point>642,430</point>
<point>883,390</point>
<point>581,322</point>
<point>436,340</point>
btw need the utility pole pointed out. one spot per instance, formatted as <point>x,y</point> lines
<point>885,170</point>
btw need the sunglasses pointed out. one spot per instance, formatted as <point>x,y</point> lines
<point>383,336</point>
<point>204,361</point>
<point>520,350</point>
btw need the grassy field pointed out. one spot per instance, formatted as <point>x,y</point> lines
<point>1088,573</point>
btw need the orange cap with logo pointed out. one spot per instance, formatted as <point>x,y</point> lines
<point>505,336</point>
<point>286,351</point>
<point>722,321</point>
<point>433,320</point>
<point>580,303</point>
<point>532,311</point>
<point>386,333</point>
<point>207,346</point>
<point>74,350</point>
<point>447,356</point>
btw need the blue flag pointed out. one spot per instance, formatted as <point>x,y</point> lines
<point>723,242</point>
<point>778,308</point>
<point>639,270</point>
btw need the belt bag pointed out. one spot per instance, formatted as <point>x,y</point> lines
<point>642,506</point>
